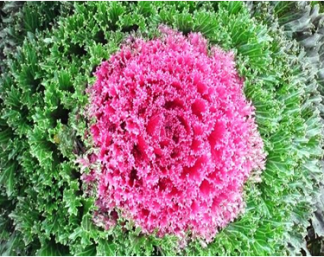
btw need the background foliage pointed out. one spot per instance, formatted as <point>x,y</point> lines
<point>45,71</point>
<point>303,22</point>
<point>18,19</point>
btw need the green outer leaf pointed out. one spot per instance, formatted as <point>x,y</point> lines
<point>106,248</point>
<point>88,251</point>
<point>7,178</point>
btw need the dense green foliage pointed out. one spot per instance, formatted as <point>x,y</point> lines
<point>18,19</point>
<point>42,131</point>
<point>303,22</point>
<point>9,14</point>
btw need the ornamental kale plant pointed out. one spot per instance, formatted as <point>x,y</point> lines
<point>51,204</point>
<point>176,136</point>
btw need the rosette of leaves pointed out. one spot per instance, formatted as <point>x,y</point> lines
<point>44,99</point>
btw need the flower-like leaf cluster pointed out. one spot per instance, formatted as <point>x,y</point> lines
<point>176,137</point>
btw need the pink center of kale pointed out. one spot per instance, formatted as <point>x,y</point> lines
<point>175,135</point>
